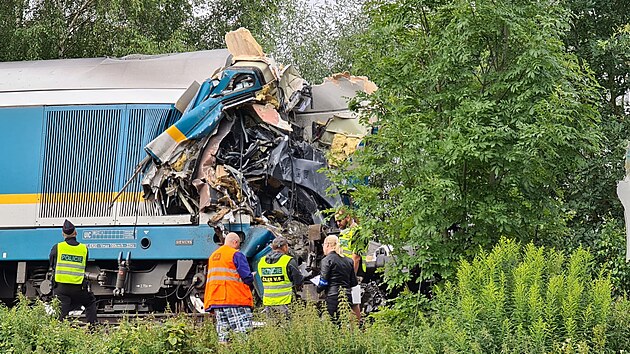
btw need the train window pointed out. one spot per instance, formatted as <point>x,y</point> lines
<point>240,82</point>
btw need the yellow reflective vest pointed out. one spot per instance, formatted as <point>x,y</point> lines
<point>70,266</point>
<point>278,289</point>
<point>345,241</point>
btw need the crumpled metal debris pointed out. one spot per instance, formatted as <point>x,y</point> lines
<point>245,144</point>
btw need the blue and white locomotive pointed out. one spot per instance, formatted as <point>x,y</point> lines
<point>153,170</point>
<point>74,137</point>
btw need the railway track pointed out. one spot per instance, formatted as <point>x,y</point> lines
<point>115,318</point>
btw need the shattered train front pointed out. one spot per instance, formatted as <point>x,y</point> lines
<point>251,147</point>
<point>153,179</point>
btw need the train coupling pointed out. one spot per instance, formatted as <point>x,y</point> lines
<point>99,277</point>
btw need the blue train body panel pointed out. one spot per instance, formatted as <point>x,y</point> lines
<point>73,148</point>
<point>21,143</point>
<point>63,162</point>
<point>144,242</point>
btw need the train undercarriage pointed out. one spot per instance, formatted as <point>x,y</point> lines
<point>128,286</point>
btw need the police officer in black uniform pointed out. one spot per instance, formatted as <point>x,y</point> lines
<point>68,259</point>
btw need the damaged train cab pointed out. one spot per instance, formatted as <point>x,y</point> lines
<point>153,170</point>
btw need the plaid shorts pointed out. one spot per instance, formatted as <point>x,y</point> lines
<point>237,319</point>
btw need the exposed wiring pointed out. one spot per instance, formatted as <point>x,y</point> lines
<point>167,295</point>
<point>187,293</point>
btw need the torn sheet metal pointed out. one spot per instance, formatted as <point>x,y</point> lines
<point>208,197</point>
<point>203,115</point>
<point>302,171</point>
<point>344,123</point>
<point>332,95</point>
<point>295,90</point>
<point>329,101</point>
<point>341,135</point>
<point>240,147</point>
<point>251,146</point>
<point>269,115</point>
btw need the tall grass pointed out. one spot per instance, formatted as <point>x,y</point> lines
<point>27,328</point>
<point>527,300</point>
<point>513,299</point>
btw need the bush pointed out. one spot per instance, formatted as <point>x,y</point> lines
<point>527,300</point>
<point>27,328</point>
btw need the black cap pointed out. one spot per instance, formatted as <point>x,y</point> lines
<point>279,242</point>
<point>68,228</point>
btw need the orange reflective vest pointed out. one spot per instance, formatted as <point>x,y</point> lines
<point>224,287</point>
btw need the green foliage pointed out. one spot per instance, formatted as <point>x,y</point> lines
<point>480,126</point>
<point>405,312</point>
<point>511,299</point>
<point>526,300</point>
<point>27,328</point>
<point>214,18</point>
<point>316,39</point>
<point>608,246</point>
<point>599,36</point>
<point>88,28</point>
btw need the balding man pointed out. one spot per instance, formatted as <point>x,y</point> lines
<point>228,292</point>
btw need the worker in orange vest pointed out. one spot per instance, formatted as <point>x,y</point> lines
<point>228,292</point>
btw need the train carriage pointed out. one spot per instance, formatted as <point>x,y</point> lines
<point>74,132</point>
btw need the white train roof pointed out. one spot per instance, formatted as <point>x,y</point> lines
<point>127,80</point>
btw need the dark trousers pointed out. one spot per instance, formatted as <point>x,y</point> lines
<point>72,297</point>
<point>333,300</point>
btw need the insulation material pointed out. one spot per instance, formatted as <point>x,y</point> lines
<point>342,147</point>
<point>239,149</point>
<point>241,44</point>
<point>242,151</point>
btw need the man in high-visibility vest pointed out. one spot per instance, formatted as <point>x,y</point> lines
<point>68,259</point>
<point>348,228</point>
<point>279,274</point>
<point>228,292</point>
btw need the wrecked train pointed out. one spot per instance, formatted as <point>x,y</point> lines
<point>153,170</point>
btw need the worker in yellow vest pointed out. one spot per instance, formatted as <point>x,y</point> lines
<point>348,228</point>
<point>279,274</point>
<point>68,259</point>
<point>228,292</point>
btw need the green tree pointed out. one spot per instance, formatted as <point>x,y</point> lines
<point>482,115</point>
<point>600,37</point>
<point>214,18</point>
<point>51,29</point>
<point>316,39</point>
